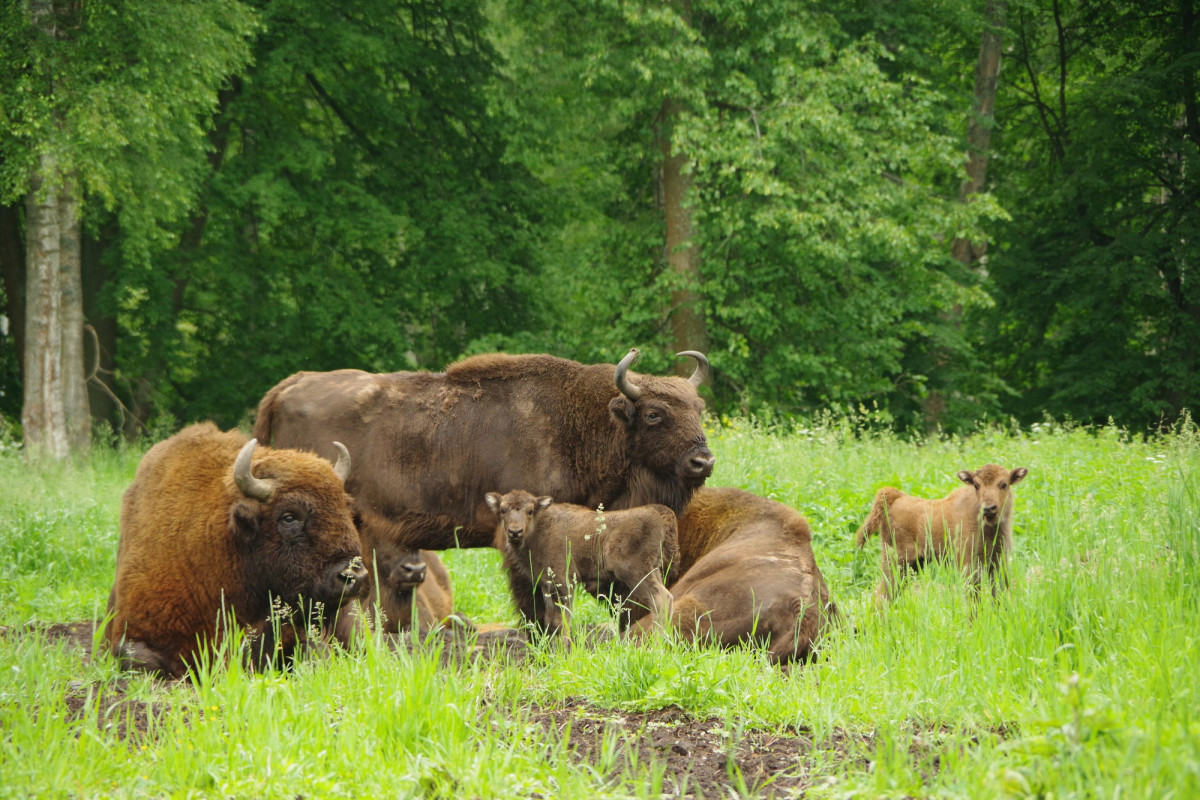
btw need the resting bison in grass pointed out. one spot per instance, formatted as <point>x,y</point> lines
<point>973,525</point>
<point>747,574</point>
<point>208,527</point>
<point>428,446</point>
<point>403,580</point>
<point>551,547</point>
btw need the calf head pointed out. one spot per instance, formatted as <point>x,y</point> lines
<point>662,417</point>
<point>294,527</point>
<point>993,487</point>
<point>515,513</point>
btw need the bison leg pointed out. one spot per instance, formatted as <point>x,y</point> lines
<point>648,596</point>
<point>526,596</point>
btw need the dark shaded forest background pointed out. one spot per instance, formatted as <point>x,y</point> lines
<point>266,187</point>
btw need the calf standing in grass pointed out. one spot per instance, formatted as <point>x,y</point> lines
<point>748,575</point>
<point>973,524</point>
<point>617,554</point>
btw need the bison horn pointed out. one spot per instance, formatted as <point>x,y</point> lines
<point>252,487</point>
<point>342,467</point>
<point>701,370</point>
<point>627,388</point>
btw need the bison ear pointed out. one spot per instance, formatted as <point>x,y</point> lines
<point>544,501</point>
<point>1017,475</point>
<point>493,501</point>
<point>622,409</point>
<point>966,476</point>
<point>243,525</point>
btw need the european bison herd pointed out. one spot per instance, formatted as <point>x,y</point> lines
<point>327,522</point>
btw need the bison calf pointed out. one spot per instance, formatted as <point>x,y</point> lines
<point>406,585</point>
<point>550,547</point>
<point>972,525</point>
<point>749,575</point>
<point>210,527</point>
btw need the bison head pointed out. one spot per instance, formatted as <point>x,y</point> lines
<point>669,455</point>
<point>295,527</point>
<point>515,514</point>
<point>993,487</point>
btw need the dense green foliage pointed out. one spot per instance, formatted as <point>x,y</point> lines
<point>295,185</point>
<point>1080,681</point>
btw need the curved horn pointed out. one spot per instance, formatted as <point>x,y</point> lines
<point>701,370</point>
<point>254,488</point>
<point>342,467</point>
<point>627,388</point>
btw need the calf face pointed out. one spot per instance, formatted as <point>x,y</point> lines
<point>408,572</point>
<point>993,487</point>
<point>515,513</point>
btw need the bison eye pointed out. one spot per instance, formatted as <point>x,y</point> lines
<point>290,522</point>
<point>653,417</point>
<point>1003,485</point>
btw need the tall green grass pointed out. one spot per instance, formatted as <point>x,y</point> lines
<point>1083,680</point>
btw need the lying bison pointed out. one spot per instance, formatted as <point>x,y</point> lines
<point>973,525</point>
<point>210,528</point>
<point>427,446</point>
<point>551,547</point>
<point>406,585</point>
<point>747,574</point>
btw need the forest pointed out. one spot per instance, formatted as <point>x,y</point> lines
<point>937,212</point>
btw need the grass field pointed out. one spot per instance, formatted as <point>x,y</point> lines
<point>1083,680</point>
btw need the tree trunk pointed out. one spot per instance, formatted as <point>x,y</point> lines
<point>683,257</point>
<point>983,115</point>
<point>55,412</point>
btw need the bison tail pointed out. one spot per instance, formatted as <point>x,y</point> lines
<point>878,516</point>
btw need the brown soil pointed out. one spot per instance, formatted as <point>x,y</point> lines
<point>700,758</point>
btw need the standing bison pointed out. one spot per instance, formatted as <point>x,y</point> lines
<point>209,527</point>
<point>972,525</point>
<point>427,447</point>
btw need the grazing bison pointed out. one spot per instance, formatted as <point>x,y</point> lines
<point>552,547</point>
<point>747,574</point>
<point>973,524</point>
<point>428,446</point>
<point>209,526</point>
<point>403,580</point>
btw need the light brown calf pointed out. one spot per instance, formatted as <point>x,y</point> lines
<point>553,546</point>
<point>972,525</point>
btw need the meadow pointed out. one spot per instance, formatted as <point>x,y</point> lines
<point>1082,680</point>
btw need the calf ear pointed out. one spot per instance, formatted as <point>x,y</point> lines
<point>966,476</point>
<point>622,409</point>
<point>1017,475</point>
<point>544,501</point>
<point>243,525</point>
<point>493,501</point>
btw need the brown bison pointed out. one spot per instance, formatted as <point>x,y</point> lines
<point>210,527</point>
<point>403,580</point>
<point>747,574</point>
<point>973,524</point>
<point>552,547</point>
<point>428,446</point>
